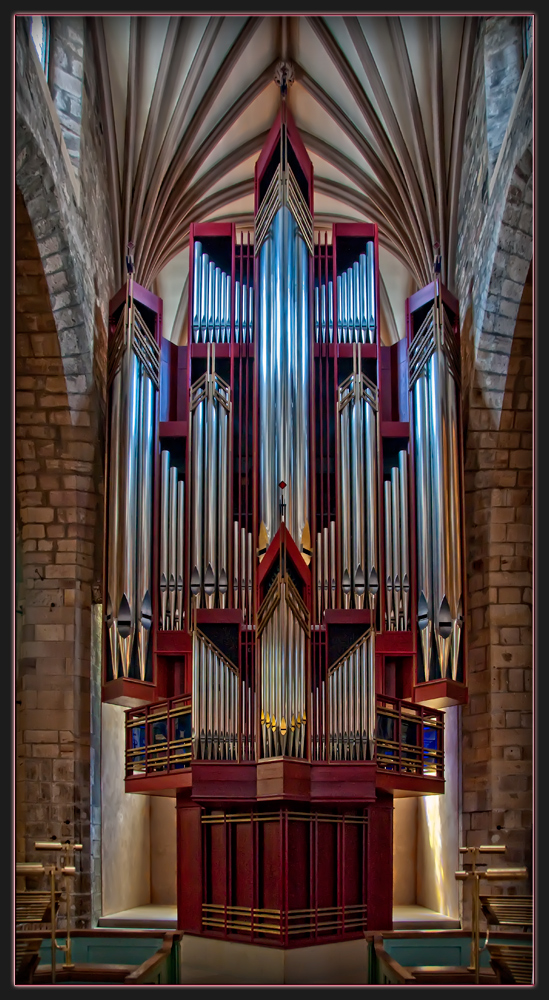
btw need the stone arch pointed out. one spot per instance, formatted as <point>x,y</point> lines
<point>511,263</point>
<point>60,259</point>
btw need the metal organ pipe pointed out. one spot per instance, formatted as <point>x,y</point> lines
<point>404,550</point>
<point>210,420</point>
<point>434,370</point>
<point>145,509</point>
<point>133,377</point>
<point>357,405</point>
<point>352,708</point>
<point>284,386</point>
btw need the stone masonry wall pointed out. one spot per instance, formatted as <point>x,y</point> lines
<point>64,275</point>
<point>66,70</point>
<point>494,286</point>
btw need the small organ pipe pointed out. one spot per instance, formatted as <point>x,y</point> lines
<point>332,564</point>
<point>164,534</point>
<point>180,554</point>
<point>371,292</point>
<point>210,301</point>
<point>236,547</point>
<point>326,570</point>
<point>363,298</point>
<point>404,557</point>
<point>197,275</point>
<point>250,588</point>
<point>395,504</point>
<point>388,553</point>
<point>172,547</point>
<point>204,297</point>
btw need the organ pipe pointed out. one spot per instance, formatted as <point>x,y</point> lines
<point>357,409</point>
<point>132,380</point>
<point>434,381</point>
<point>210,420</point>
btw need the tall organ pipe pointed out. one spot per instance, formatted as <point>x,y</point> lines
<point>129,443</point>
<point>197,276</point>
<point>144,540</point>
<point>388,552</point>
<point>440,514</point>
<point>424,521</point>
<point>172,547</point>
<point>222,526</point>
<point>404,551</point>
<point>371,292</point>
<point>179,554</point>
<point>456,607</point>
<point>345,507</point>
<point>395,498</point>
<point>197,438</point>
<point>113,523</point>
<point>283,385</point>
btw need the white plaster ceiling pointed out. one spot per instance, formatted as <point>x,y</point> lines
<point>188,101</point>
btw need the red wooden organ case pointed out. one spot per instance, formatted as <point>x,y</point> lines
<point>285,839</point>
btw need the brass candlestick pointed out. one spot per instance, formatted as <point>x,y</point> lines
<point>490,874</point>
<point>68,870</point>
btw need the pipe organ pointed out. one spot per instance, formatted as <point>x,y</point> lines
<point>284,553</point>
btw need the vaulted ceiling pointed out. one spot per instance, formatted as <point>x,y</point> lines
<point>380,103</point>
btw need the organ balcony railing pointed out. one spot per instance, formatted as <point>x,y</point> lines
<point>409,739</point>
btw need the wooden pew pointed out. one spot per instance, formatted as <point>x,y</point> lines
<point>512,910</point>
<point>512,963</point>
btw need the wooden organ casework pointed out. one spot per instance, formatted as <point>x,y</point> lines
<point>284,599</point>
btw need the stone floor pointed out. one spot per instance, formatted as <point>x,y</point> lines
<point>150,915</point>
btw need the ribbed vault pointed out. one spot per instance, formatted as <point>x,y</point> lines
<point>380,102</point>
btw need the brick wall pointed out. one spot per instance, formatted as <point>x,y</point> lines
<point>494,285</point>
<point>64,268</point>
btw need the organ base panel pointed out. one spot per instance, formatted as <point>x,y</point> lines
<point>281,621</point>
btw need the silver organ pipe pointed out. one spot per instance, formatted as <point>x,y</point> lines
<point>204,272</point>
<point>197,297</point>
<point>397,568</point>
<point>352,704</point>
<point>395,516</point>
<point>404,548</point>
<point>434,375</point>
<point>211,299</point>
<point>388,554</point>
<point>210,421</point>
<point>133,377</point>
<point>145,511</point>
<point>357,408</point>
<point>172,547</point>
<point>283,432</point>
<point>372,315</point>
<point>164,533</point>
<point>283,627</point>
<point>172,531</point>
<point>179,564</point>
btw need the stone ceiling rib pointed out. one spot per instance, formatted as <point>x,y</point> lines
<point>195,193</point>
<point>171,211</point>
<point>403,66</point>
<point>397,193</point>
<point>149,145</point>
<point>107,114</point>
<point>136,32</point>
<point>458,131</point>
<point>393,128</point>
<point>195,99</point>
<point>173,134</point>
<point>180,153</point>
<point>435,44</point>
